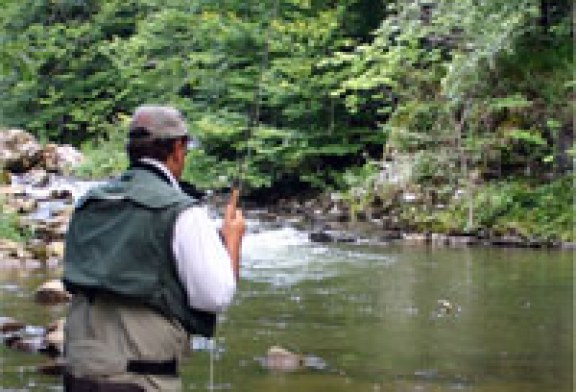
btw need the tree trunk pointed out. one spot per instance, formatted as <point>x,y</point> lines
<point>544,18</point>
<point>459,122</point>
<point>562,161</point>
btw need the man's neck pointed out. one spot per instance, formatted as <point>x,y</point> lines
<point>162,167</point>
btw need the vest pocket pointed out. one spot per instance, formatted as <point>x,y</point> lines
<point>92,358</point>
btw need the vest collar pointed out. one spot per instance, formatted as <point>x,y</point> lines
<point>159,169</point>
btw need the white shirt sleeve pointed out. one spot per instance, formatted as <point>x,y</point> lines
<point>202,262</point>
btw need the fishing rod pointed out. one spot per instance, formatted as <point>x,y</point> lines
<point>253,118</point>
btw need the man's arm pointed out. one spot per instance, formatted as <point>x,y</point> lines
<point>203,263</point>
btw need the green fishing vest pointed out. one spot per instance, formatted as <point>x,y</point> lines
<point>119,242</point>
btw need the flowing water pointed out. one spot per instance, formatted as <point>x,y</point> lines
<point>365,318</point>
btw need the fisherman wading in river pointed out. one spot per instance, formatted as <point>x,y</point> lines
<point>146,267</point>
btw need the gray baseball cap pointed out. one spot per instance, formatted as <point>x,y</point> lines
<point>155,122</point>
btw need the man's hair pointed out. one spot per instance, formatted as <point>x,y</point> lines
<point>156,149</point>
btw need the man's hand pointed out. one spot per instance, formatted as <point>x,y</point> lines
<point>233,230</point>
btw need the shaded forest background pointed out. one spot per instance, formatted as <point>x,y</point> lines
<point>364,98</point>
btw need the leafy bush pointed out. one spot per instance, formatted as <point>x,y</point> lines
<point>544,211</point>
<point>9,227</point>
<point>361,188</point>
<point>105,156</point>
<point>324,85</point>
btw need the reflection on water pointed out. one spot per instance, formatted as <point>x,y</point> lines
<point>372,318</point>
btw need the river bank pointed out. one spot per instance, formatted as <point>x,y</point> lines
<point>328,219</point>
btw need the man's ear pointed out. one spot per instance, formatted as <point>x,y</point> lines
<point>176,149</point>
<point>183,145</point>
<point>173,159</point>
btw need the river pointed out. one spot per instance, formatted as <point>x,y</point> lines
<point>365,318</point>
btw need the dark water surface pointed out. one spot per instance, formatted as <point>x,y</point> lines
<point>367,318</point>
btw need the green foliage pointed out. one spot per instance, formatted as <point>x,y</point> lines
<point>106,155</point>
<point>71,68</point>
<point>362,188</point>
<point>433,167</point>
<point>9,227</point>
<point>481,78</point>
<point>516,207</point>
<point>313,93</point>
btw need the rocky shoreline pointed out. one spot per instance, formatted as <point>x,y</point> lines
<point>41,210</point>
<point>328,221</point>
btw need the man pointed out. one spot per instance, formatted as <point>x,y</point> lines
<point>146,267</point>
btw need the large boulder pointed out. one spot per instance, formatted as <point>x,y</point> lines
<point>9,324</point>
<point>54,339</point>
<point>60,159</point>
<point>52,293</point>
<point>56,249</point>
<point>322,237</point>
<point>19,150</point>
<point>29,344</point>
<point>51,229</point>
<point>42,250</point>
<point>416,238</point>
<point>24,205</point>
<point>37,177</point>
<point>20,253</point>
<point>279,359</point>
<point>38,249</point>
<point>8,191</point>
<point>325,236</point>
<point>8,246</point>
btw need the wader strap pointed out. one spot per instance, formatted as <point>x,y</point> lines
<point>153,368</point>
<point>83,384</point>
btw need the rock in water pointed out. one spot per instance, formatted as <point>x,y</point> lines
<point>38,248</point>
<point>50,157</point>
<point>38,178</point>
<point>31,344</point>
<point>321,237</point>
<point>445,308</point>
<point>55,249</point>
<point>281,360</point>
<point>8,324</point>
<point>48,229</point>
<point>20,253</point>
<point>61,194</point>
<point>54,339</point>
<point>69,157</point>
<point>8,246</point>
<point>60,159</point>
<point>416,238</point>
<point>25,205</point>
<point>52,293</point>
